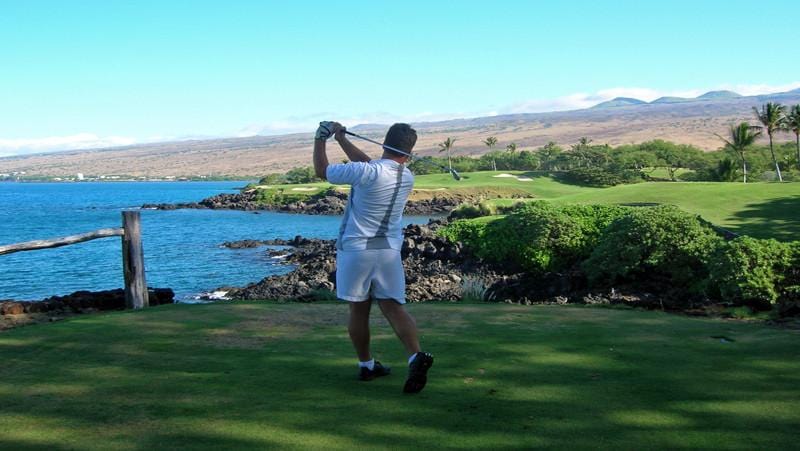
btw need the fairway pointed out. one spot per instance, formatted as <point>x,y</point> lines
<point>762,210</point>
<point>261,375</point>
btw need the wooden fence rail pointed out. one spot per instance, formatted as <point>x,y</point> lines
<point>132,254</point>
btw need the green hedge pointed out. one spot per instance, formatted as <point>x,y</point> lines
<point>600,177</point>
<point>751,271</point>
<point>651,247</point>
<point>536,236</point>
<point>654,242</point>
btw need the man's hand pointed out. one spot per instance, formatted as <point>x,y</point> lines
<point>339,134</point>
<point>327,129</point>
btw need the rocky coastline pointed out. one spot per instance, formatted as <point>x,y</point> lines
<point>436,270</point>
<point>330,202</point>
<point>54,308</point>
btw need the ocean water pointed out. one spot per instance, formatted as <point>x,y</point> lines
<point>181,247</point>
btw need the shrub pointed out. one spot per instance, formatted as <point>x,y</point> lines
<point>600,177</point>
<point>468,232</point>
<point>654,243</point>
<point>756,272</point>
<point>536,236</point>
<point>468,211</point>
<point>294,176</point>
<point>279,196</point>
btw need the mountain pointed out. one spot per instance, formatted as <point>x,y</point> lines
<point>718,95</point>
<point>620,101</point>
<point>694,121</point>
<point>668,99</point>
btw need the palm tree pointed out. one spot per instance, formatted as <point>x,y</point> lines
<point>512,147</point>
<point>772,118</point>
<point>742,136</point>
<point>446,146</point>
<point>793,123</point>
<point>583,143</point>
<point>490,143</point>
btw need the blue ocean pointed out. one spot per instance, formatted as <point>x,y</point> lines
<point>181,247</point>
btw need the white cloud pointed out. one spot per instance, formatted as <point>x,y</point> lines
<point>579,101</point>
<point>23,146</point>
<point>307,124</point>
<point>755,90</point>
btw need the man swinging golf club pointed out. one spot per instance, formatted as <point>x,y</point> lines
<point>368,262</point>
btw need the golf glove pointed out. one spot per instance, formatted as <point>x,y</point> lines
<point>325,130</point>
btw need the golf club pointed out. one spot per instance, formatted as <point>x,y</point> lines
<point>451,171</point>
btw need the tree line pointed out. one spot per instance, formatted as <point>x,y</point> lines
<point>604,165</point>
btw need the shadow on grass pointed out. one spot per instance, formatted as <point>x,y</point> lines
<point>505,377</point>
<point>776,218</point>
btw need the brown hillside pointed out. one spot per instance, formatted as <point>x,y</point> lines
<point>693,122</point>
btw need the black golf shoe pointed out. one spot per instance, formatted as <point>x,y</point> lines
<point>418,373</point>
<point>366,374</point>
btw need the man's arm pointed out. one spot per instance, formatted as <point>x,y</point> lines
<point>320,159</point>
<point>350,149</point>
<point>325,130</point>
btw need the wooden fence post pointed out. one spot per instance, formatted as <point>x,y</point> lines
<point>133,262</point>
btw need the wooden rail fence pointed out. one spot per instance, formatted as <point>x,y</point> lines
<point>132,254</point>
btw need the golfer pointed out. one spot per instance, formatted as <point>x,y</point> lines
<point>368,263</point>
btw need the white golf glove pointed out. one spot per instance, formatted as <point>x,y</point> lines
<point>325,130</point>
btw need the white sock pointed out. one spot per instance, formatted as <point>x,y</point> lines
<point>370,364</point>
<point>411,359</point>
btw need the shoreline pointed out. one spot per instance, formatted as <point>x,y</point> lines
<point>15,313</point>
<point>330,202</point>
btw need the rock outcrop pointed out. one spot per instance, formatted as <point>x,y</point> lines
<point>83,302</point>
<point>330,202</point>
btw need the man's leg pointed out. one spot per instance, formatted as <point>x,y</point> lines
<point>406,329</point>
<point>403,324</point>
<point>358,328</point>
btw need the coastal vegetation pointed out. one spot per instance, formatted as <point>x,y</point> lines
<point>266,375</point>
<point>655,249</point>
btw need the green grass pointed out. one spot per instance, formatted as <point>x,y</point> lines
<point>541,185</point>
<point>662,173</point>
<point>256,376</point>
<point>762,210</point>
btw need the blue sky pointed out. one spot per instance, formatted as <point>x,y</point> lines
<point>88,73</point>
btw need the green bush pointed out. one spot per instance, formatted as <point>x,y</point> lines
<point>600,177</point>
<point>752,271</point>
<point>468,211</point>
<point>469,232</point>
<point>294,176</point>
<point>536,236</point>
<point>654,243</point>
<point>279,196</point>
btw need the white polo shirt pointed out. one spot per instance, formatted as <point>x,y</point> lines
<point>373,217</point>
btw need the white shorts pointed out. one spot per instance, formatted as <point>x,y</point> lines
<point>370,273</point>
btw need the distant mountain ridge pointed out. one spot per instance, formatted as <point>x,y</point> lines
<point>619,101</point>
<point>685,121</point>
<point>710,95</point>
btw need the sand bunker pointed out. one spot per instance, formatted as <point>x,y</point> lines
<point>524,179</point>
<point>504,175</point>
<point>304,189</point>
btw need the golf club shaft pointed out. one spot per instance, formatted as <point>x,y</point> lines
<point>376,142</point>
<point>451,171</point>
